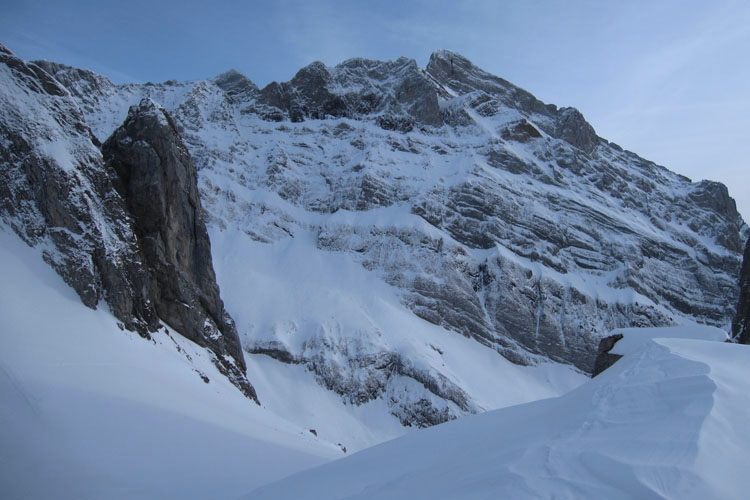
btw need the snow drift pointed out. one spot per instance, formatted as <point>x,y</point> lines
<point>666,421</point>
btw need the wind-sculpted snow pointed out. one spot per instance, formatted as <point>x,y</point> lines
<point>666,421</point>
<point>626,340</point>
<point>536,237</point>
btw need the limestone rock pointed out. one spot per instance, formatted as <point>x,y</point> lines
<point>152,171</point>
<point>741,323</point>
<point>573,128</point>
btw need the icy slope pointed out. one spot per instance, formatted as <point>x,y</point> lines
<point>90,411</point>
<point>666,421</point>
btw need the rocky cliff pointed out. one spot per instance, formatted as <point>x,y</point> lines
<point>741,323</point>
<point>152,171</point>
<point>127,229</point>
<point>490,214</point>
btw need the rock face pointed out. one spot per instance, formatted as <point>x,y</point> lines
<point>55,190</point>
<point>604,358</point>
<point>397,92</point>
<point>126,230</point>
<point>494,215</point>
<point>741,323</point>
<point>153,173</point>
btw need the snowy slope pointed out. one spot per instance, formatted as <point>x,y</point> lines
<point>310,304</point>
<point>666,421</point>
<point>90,411</point>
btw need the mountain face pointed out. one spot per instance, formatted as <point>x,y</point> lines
<point>487,212</point>
<point>741,323</point>
<point>125,229</point>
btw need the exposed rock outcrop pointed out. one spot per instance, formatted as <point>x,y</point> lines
<point>571,127</point>
<point>236,85</point>
<point>127,231</point>
<point>54,189</point>
<point>604,358</point>
<point>741,323</point>
<point>397,92</point>
<point>152,171</point>
<point>368,375</point>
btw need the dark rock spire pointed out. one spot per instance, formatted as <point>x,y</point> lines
<point>153,172</point>
<point>741,323</point>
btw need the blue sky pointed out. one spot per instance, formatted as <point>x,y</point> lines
<point>669,80</point>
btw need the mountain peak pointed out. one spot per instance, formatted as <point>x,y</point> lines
<point>449,55</point>
<point>445,65</point>
<point>233,83</point>
<point>312,77</point>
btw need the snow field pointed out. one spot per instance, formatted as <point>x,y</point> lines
<point>666,421</point>
<point>90,411</point>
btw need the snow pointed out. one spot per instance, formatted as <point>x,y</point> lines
<point>57,151</point>
<point>633,338</point>
<point>667,421</point>
<point>53,139</point>
<point>302,297</point>
<point>90,411</point>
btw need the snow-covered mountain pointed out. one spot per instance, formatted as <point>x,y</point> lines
<point>362,249</point>
<point>120,223</point>
<point>422,244</point>
<point>347,206</point>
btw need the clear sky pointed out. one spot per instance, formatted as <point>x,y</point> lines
<point>668,79</point>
